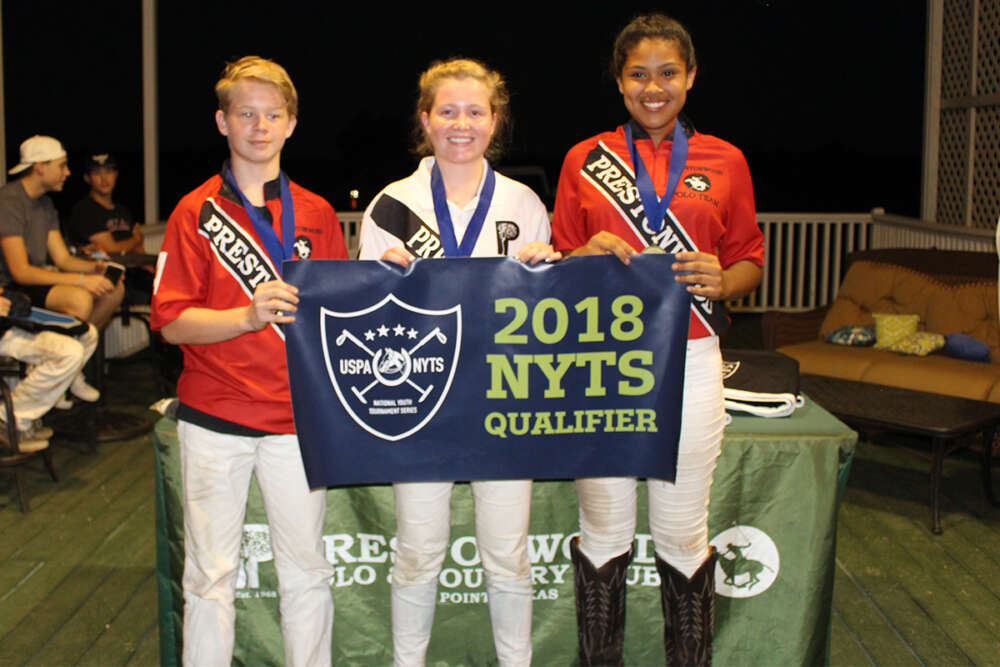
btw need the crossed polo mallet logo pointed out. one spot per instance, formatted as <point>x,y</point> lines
<point>391,360</point>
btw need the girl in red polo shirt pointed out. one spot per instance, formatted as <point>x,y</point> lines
<point>655,181</point>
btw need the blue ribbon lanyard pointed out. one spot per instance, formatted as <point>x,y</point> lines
<point>656,208</point>
<point>445,227</point>
<point>277,249</point>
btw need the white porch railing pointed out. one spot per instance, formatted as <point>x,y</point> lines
<point>895,231</point>
<point>350,222</point>
<point>805,251</point>
<point>804,256</point>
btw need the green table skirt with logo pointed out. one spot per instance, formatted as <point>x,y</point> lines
<point>772,519</point>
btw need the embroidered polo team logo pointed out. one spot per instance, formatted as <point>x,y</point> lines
<point>303,247</point>
<point>392,364</point>
<point>507,231</point>
<point>698,182</point>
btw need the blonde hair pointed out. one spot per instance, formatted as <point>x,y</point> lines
<point>463,68</point>
<point>259,69</point>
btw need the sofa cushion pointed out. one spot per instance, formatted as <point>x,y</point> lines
<point>870,288</point>
<point>969,309</point>
<point>820,358</point>
<point>935,373</point>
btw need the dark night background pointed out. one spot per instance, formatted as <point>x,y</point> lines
<point>825,98</point>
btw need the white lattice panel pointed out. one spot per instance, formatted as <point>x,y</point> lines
<point>988,49</point>
<point>969,128</point>
<point>952,161</point>
<point>956,52</point>
<point>986,174</point>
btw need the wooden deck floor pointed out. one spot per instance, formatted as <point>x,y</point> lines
<point>77,583</point>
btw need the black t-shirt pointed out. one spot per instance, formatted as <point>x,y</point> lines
<point>91,218</point>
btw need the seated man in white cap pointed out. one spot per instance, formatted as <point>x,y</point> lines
<point>29,233</point>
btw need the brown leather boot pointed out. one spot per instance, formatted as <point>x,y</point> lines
<point>600,607</point>
<point>688,612</point>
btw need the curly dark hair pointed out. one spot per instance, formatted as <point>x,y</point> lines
<point>651,26</point>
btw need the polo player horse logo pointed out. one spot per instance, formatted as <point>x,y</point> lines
<point>735,564</point>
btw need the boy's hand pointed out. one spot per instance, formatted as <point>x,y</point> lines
<point>273,301</point>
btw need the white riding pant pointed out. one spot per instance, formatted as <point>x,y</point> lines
<point>216,469</point>
<point>678,511</point>
<point>423,528</point>
<point>54,360</point>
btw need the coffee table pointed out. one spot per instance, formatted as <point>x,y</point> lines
<point>943,419</point>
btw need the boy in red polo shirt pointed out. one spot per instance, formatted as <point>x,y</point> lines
<point>218,293</point>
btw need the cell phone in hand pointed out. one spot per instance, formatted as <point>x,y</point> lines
<point>114,271</point>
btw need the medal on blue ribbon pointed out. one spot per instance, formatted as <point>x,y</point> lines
<point>445,227</point>
<point>656,208</point>
<point>277,249</point>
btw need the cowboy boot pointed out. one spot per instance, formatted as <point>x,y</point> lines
<point>688,612</point>
<point>600,607</point>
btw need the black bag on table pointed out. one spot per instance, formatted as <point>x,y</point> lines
<point>760,383</point>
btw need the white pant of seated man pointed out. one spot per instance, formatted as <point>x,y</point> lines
<point>55,360</point>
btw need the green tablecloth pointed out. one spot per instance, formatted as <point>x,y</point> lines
<point>772,518</point>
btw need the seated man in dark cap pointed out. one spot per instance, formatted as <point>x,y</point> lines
<point>97,219</point>
<point>99,223</point>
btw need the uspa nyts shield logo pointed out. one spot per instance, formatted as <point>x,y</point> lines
<point>392,364</point>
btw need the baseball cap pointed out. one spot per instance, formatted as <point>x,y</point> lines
<point>38,149</point>
<point>100,161</point>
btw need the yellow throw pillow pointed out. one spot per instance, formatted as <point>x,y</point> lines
<point>890,329</point>
<point>919,344</point>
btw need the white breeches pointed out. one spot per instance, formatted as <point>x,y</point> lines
<point>216,469</point>
<point>423,528</point>
<point>678,511</point>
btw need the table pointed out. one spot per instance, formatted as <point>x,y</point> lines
<point>134,260</point>
<point>772,518</point>
<point>115,338</point>
<point>943,419</point>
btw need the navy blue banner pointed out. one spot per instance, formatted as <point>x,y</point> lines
<point>460,369</point>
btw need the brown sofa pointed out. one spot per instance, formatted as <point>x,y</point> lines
<point>950,291</point>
